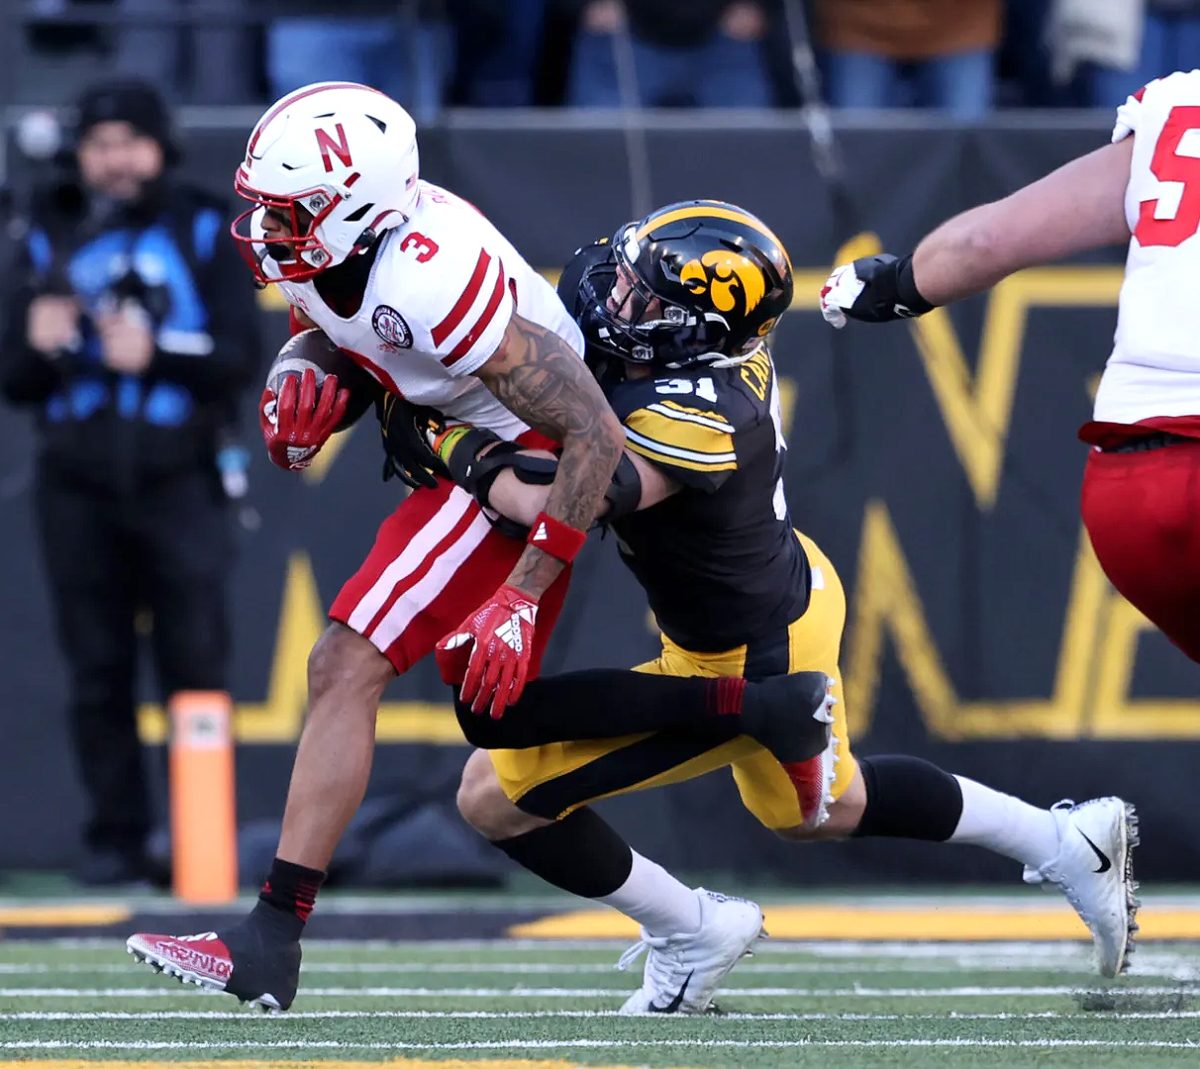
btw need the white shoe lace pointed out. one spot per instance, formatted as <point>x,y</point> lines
<point>1047,873</point>
<point>633,953</point>
<point>662,965</point>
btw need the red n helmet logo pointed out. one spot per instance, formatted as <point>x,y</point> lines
<point>340,148</point>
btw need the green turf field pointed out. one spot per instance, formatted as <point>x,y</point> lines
<point>518,1003</point>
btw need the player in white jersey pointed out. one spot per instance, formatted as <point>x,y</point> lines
<point>423,292</point>
<point>1140,498</point>
<point>453,282</point>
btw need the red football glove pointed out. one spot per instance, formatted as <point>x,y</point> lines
<point>297,423</point>
<point>490,650</point>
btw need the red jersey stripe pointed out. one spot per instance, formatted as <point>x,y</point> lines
<point>472,335</point>
<point>463,305</point>
<point>432,559</point>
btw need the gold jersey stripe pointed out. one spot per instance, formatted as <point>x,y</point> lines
<point>682,454</point>
<point>673,434</point>
<point>706,413</point>
<point>685,417</point>
<point>679,462</point>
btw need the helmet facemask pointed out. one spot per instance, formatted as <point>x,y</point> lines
<point>298,255</point>
<point>625,315</point>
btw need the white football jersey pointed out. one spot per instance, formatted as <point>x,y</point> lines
<point>1154,369</point>
<point>438,299</point>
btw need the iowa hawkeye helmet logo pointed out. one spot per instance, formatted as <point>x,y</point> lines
<point>723,274</point>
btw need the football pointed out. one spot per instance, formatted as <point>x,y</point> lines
<point>312,349</point>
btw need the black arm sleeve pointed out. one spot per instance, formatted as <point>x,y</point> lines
<point>233,324</point>
<point>623,496</point>
<point>26,375</point>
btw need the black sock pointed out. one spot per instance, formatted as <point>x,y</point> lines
<point>287,897</point>
<point>908,798</point>
<point>607,703</point>
<point>580,853</point>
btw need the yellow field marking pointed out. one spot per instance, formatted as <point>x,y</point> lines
<point>955,924</point>
<point>396,1063</point>
<point>64,916</point>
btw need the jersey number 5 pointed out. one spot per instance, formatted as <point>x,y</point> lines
<point>1168,166</point>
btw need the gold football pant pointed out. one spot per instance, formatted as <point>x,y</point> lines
<point>553,780</point>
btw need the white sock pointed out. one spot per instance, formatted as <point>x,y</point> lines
<point>656,900</point>
<point>1005,825</point>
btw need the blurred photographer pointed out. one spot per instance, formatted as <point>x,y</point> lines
<point>129,330</point>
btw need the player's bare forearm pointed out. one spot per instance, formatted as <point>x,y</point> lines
<point>1080,206</point>
<point>540,378</point>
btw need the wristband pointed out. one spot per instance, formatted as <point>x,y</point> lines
<point>444,443</point>
<point>458,449</point>
<point>560,540</point>
<point>906,288</point>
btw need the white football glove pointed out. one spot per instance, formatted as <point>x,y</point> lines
<point>840,291</point>
<point>872,289</point>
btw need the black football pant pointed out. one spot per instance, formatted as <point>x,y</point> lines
<point>167,550</point>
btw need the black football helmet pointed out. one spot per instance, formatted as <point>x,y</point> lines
<point>698,282</point>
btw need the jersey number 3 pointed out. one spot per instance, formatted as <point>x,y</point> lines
<point>426,247</point>
<point>1168,166</point>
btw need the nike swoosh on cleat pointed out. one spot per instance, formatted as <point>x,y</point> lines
<point>1101,856</point>
<point>677,1001</point>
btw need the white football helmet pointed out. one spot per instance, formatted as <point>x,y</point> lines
<point>337,161</point>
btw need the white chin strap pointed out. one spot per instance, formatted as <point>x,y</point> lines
<point>721,360</point>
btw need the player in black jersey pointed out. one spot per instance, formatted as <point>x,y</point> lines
<point>718,558</point>
<point>677,310</point>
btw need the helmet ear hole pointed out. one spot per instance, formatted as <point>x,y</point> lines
<point>359,213</point>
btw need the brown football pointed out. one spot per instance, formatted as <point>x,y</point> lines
<point>312,349</point>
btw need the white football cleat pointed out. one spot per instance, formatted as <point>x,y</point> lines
<point>683,972</point>
<point>1094,869</point>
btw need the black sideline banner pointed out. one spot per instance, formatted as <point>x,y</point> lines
<point>936,463</point>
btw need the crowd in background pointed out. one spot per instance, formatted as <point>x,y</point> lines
<point>961,56</point>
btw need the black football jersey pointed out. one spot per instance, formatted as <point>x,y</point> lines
<point>718,560</point>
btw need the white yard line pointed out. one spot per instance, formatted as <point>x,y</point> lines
<point>516,968</point>
<point>1053,952</point>
<point>537,1015</point>
<point>983,954</point>
<point>504,901</point>
<point>603,992</point>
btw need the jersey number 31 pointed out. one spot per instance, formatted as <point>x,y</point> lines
<point>702,387</point>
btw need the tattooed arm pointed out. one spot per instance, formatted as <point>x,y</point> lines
<point>539,377</point>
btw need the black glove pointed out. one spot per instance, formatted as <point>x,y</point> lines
<point>874,289</point>
<point>407,455</point>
